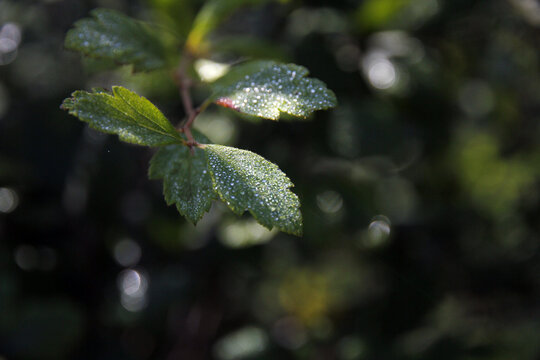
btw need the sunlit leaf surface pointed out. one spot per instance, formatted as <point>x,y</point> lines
<point>186,179</point>
<point>133,118</point>
<point>267,88</point>
<point>247,182</point>
<point>114,36</point>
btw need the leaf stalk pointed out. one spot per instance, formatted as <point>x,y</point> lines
<point>185,83</point>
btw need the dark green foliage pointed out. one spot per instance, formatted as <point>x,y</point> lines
<point>186,179</point>
<point>114,36</point>
<point>133,118</point>
<point>247,182</point>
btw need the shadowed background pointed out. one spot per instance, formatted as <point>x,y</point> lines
<point>419,192</point>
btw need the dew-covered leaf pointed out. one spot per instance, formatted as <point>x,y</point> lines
<point>247,182</point>
<point>267,88</point>
<point>132,117</point>
<point>186,179</point>
<point>117,37</point>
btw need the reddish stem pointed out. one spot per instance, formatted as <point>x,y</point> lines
<point>185,83</point>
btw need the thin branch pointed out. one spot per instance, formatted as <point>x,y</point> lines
<point>184,83</point>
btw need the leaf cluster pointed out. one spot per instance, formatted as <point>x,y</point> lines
<point>194,171</point>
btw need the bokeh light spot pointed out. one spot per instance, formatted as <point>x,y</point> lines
<point>351,348</point>
<point>10,38</point>
<point>26,257</point>
<point>381,72</point>
<point>217,127</point>
<point>378,231</point>
<point>133,286</point>
<point>245,233</point>
<point>329,201</point>
<point>127,252</point>
<point>244,343</point>
<point>11,31</point>
<point>209,70</point>
<point>8,200</point>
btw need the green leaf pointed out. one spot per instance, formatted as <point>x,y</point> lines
<point>247,182</point>
<point>133,118</point>
<point>267,88</point>
<point>186,179</point>
<point>114,36</point>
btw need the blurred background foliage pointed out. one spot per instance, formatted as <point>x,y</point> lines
<point>419,192</point>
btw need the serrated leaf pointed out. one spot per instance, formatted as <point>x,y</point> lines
<point>267,88</point>
<point>186,179</point>
<point>114,36</point>
<point>247,182</point>
<point>132,117</point>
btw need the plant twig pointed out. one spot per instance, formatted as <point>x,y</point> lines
<point>184,83</point>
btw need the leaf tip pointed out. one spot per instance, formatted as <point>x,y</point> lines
<point>67,104</point>
<point>193,220</point>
